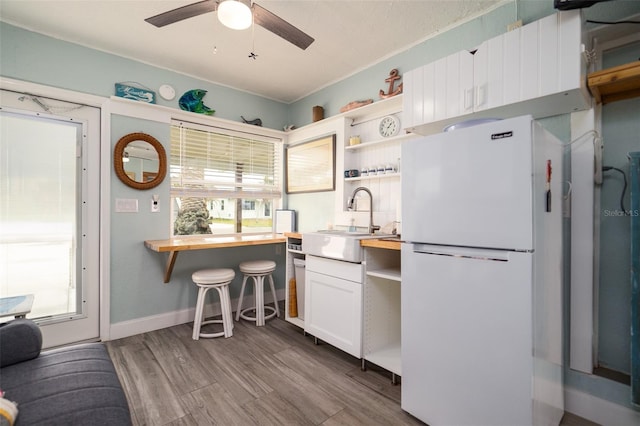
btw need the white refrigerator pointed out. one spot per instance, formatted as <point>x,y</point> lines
<point>481,276</point>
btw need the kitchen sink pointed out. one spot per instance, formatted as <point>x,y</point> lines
<point>337,244</point>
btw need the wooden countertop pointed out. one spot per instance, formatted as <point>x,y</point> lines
<point>293,234</point>
<point>209,241</point>
<point>384,243</point>
<point>175,245</point>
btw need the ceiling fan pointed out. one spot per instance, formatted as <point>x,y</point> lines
<point>261,16</point>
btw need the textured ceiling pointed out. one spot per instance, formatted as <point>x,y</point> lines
<point>350,35</point>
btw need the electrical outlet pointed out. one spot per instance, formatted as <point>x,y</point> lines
<point>155,203</point>
<point>512,26</point>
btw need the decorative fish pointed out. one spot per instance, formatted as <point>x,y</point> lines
<point>192,101</point>
<point>255,121</point>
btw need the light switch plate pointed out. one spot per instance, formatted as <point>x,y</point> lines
<point>126,205</point>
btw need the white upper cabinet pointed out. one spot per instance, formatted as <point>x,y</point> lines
<point>538,69</point>
<point>438,90</point>
<point>489,69</point>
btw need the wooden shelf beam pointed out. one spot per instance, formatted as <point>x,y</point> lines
<point>616,83</point>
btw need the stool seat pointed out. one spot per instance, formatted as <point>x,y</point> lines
<point>219,279</point>
<point>257,266</point>
<point>213,276</point>
<point>258,270</point>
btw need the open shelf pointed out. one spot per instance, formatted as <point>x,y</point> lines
<point>392,274</point>
<point>378,142</point>
<point>386,176</point>
<point>615,83</point>
<point>295,321</point>
<point>380,107</point>
<point>388,357</point>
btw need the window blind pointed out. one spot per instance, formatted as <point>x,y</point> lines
<point>211,162</point>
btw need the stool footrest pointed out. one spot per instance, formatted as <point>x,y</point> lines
<point>243,315</point>
<point>207,335</point>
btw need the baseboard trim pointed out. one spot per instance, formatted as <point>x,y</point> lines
<point>132,327</point>
<point>599,410</point>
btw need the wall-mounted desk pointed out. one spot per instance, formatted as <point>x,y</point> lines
<point>175,245</point>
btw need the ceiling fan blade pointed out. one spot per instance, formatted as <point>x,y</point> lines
<point>184,12</point>
<point>280,27</point>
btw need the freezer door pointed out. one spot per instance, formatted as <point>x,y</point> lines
<point>470,187</point>
<point>467,336</point>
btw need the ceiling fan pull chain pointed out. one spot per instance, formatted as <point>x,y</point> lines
<point>253,54</point>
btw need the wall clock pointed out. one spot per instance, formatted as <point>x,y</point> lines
<point>167,92</point>
<point>389,126</point>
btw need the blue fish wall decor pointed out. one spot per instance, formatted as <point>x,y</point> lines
<point>192,101</point>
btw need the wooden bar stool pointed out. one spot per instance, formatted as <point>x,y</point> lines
<point>258,270</point>
<point>206,279</point>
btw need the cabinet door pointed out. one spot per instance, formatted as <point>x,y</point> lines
<point>334,311</point>
<point>429,97</point>
<point>480,77</point>
<point>466,78</point>
<point>512,66</point>
<point>454,97</point>
<point>529,59</point>
<point>439,89</point>
<point>413,98</point>
<point>488,74</point>
<point>407,99</point>
<point>548,54</point>
<point>459,84</point>
<point>571,61</point>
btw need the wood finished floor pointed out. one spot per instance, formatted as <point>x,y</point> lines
<point>272,375</point>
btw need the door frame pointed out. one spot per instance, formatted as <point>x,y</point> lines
<point>104,181</point>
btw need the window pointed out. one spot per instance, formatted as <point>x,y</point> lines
<point>222,181</point>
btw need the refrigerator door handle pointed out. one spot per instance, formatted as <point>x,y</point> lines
<point>464,252</point>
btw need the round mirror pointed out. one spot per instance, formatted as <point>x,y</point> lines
<point>140,161</point>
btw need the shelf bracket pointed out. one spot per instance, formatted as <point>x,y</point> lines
<point>171,261</point>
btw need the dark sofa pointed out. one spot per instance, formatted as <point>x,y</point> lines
<point>74,385</point>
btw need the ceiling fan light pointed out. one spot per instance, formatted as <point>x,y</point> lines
<point>234,14</point>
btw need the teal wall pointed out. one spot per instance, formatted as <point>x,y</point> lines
<point>137,290</point>
<point>137,274</point>
<point>621,135</point>
<point>40,59</point>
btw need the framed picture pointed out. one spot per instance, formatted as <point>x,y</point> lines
<point>311,166</point>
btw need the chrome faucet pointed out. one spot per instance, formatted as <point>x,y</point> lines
<point>372,227</point>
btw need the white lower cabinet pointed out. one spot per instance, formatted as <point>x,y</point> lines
<point>333,303</point>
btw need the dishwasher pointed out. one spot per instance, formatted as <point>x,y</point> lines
<point>333,302</point>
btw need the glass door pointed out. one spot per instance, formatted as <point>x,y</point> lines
<point>48,222</point>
